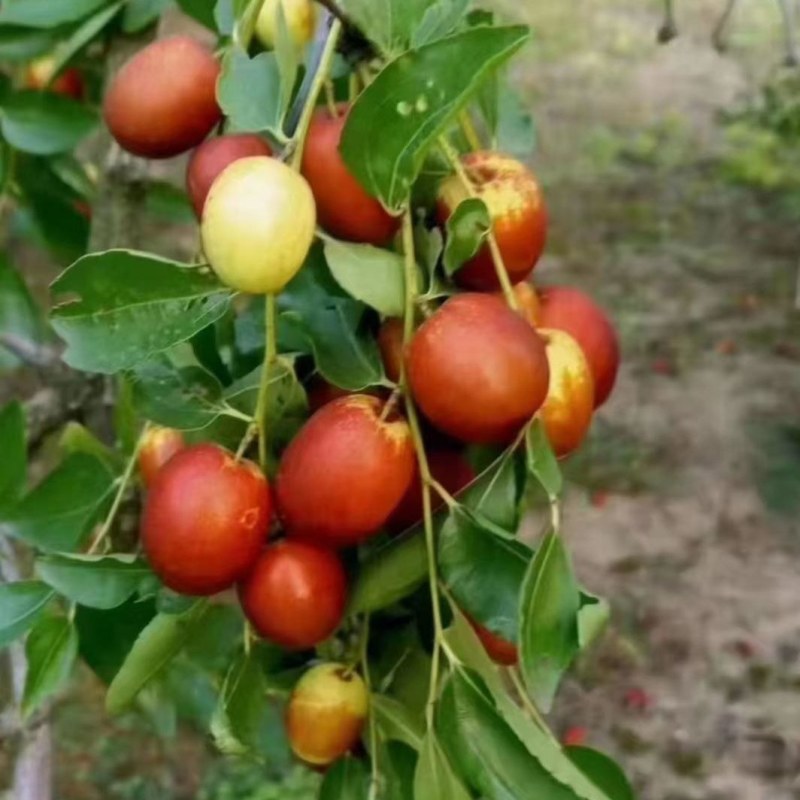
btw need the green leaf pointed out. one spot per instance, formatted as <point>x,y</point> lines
<point>76,438</point>
<point>369,274</point>
<point>411,103</point>
<point>484,572</point>
<point>103,582</point>
<point>60,511</point>
<point>44,123</point>
<point>605,773</point>
<point>390,24</point>
<point>46,13</point>
<point>593,618</point>
<point>516,132</point>
<point>542,463</point>
<point>187,399</point>
<point>441,19</point>
<point>83,35</point>
<point>140,13</point>
<point>485,750</point>
<point>347,779</point>
<point>25,44</point>
<point>19,315</point>
<point>21,604</point>
<point>14,464</point>
<point>235,725</point>
<point>226,12</point>
<point>50,650</point>
<point>163,638</point>
<point>200,10</point>
<point>549,606</point>
<point>398,765</point>
<point>132,306</point>
<point>494,498</point>
<point>395,722</point>
<point>251,92</point>
<point>467,230</point>
<point>435,778</point>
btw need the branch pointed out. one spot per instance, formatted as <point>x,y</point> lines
<point>669,28</point>
<point>333,8</point>
<point>30,353</point>
<point>719,38</point>
<point>788,13</point>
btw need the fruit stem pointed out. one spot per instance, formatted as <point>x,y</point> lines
<point>270,355</point>
<point>468,128</point>
<point>316,87</point>
<point>412,290</point>
<point>330,99</point>
<point>443,493</point>
<point>124,480</point>
<point>373,729</point>
<point>528,704</point>
<point>491,240</point>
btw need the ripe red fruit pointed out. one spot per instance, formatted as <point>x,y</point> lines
<point>158,447</point>
<point>390,342</point>
<point>295,594</point>
<point>69,83</point>
<point>498,649</point>
<point>570,310</point>
<point>345,472</point>
<point>211,158</point>
<point>517,212</point>
<point>575,736</point>
<point>163,101</point>
<point>205,520</point>
<point>478,371</point>
<point>449,468</point>
<point>344,208</point>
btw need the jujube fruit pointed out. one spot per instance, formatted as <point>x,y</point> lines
<point>213,156</point>
<point>390,342</point>
<point>163,101</point>
<point>258,224</point>
<point>300,16</point>
<point>477,370</point>
<point>295,594</point>
<point>517,212</point>
<point>498,649</point>
<point>205,520</point>
<point>345,472</point>
<point>568,409</point>
<point>574,312</point>
<point>69,83</point>
<point>344,207</point>
<point>158,446</point>
<point>326,713</point>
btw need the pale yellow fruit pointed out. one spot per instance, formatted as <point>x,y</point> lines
<point>301,19</point>
<point>258,224</point>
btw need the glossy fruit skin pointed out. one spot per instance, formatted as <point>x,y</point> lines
<point>301,19</point>
<point>258,224</point>
<point>448,467</point>
<point>345,209</point>
<point>70,82</point>
<point>295,594</point>
<point>205,520</point>
<point>570,310</point>
<point>158,447</point>
<point>344,473</point>
<point>567,412</point>
<point>498,649</point>
<point>478,371</point>
<point>517,211</point>
<point>326,714</point>
<point>163,101</point>
<point>213,156</point>
<point>390,342</point>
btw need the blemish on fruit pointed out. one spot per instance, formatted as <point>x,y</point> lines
<point>250,518</point>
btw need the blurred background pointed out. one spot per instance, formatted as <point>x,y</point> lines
<point>672,172</point>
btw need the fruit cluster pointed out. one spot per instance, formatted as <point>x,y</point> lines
<point>480,366</point>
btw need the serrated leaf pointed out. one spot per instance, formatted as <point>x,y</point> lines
<point>467,230</point>
<point>60,511</point>
<point>441,19</point>
<point>19,315</point>
<point>369,274</point>
<point>50,650</point>
<point>412,102</point>
<point>435,776</point>
<point>163,638</point>
<point>395,722</point>
<point>549,605</point>
<point>46,13</point>
<point>130,307</point>
<point>542,462</point>
<point>347,779</point>
<point>103,582</point>
<point>14,464</point>
<point>21,604</point>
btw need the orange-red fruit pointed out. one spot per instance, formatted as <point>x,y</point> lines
<point>211,158</point>
<point>478,371</point>
<point>158,447</point>
<point>499,650</point>
<point>345,472</point>
<point>570,310</point>
<point>390,342</point>
<point>163,101</point>
<point>326,714</point>
<point>205,520</point>
<point>295,595</point>
<point>449,468</point>
<point>69,83</point>
<point>344,208</point>
<point>567,411</point>
<point>517,212</point>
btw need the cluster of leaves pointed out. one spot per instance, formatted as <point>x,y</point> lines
<point>188,354</point>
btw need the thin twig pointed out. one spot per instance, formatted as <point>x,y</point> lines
<point>718,36</point>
